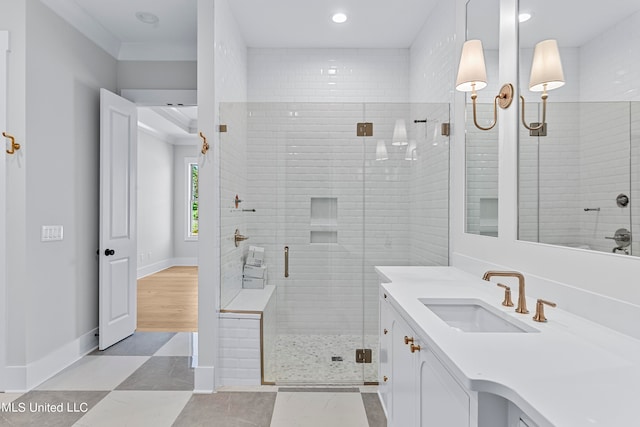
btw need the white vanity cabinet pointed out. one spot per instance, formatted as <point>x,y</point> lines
<point>416,389</point>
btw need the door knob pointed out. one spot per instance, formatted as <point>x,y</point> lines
<point>108,252</point>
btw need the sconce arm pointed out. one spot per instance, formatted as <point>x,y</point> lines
<point>474,96</point>
<point>502,100</point>
<point>544,112</point>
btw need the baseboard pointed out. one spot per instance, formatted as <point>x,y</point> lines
<point>25,378</point>
<point>204,380</point>
<point>150,269</point>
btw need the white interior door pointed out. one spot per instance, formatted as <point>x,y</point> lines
<point>118,160</point>
<point>4,46</point>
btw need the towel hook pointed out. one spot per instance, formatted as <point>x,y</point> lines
<point>14,145</point>
<point>205,144</point>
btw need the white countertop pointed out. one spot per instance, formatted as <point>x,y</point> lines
<point>572,373</point>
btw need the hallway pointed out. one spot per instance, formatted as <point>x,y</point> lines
<point>168,300</point>
<point>147,380</point>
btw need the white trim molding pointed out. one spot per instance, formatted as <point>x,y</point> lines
<point>150,269</point>
<point>24,378</point>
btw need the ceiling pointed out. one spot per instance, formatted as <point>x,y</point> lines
<point>176,125</point>
<point>112,24</point>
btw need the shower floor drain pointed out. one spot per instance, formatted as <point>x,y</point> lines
<point>336,358</point>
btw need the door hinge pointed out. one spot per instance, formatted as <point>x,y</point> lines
<point>363,355</point>
<point>364,129</point>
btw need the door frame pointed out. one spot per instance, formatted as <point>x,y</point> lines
<point>4,47</point>
<point>147,98</point>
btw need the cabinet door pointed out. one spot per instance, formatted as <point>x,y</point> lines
<point>404,376</point>
<point>384,352</point>
<point>443,402</point>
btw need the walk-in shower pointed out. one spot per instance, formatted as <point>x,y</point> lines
<point>340,204</point>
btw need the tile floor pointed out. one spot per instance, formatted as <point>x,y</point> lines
<point>147,380</point>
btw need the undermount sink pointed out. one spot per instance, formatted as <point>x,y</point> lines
<point>473,315</point>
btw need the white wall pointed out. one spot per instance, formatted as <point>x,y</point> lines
<point>54,115</point>
<point>156,177</point>
<point>163,205</point>
<point>157,74</point>
<point>54,79</point>
<point>13,18</point>
<point>219,80</point>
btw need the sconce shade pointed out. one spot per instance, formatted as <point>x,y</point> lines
<point>546,68</point>
<point>399,133</point>
<point>381,150</point>
<point>472,72</point>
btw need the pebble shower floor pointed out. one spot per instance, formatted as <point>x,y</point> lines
<point>311,359</point>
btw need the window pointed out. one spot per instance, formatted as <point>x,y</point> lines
<point>192,199</point>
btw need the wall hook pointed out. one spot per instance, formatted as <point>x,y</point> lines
<point>14,145</point>
<point>205,144</point>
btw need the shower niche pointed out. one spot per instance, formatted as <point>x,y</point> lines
<point>324,220</point>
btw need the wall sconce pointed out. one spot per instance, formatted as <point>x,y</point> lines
<point>472,76</point>
<point>411,153</point>
<point>546,74</point>
<point>399,133</point>
<point>381,150</point>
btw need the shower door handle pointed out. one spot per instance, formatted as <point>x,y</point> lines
<point>286,261</point>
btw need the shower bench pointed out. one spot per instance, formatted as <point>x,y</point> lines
<point>247,338</point>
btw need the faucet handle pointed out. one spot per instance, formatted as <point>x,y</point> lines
<point>539,317</point>
<point>507,295</point>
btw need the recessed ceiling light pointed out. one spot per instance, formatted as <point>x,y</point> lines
<point>147,18</point>
<point>339,18</point>
<point>524,16</point>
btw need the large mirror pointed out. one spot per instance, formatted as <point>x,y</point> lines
<point>481,147</point>
<point>580,177</point>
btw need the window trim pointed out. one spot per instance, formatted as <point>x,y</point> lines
<point>188,161</point>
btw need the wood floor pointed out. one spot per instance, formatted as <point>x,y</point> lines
<point>168,301</point>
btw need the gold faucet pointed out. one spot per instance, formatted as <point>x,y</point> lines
<point>522,303</point>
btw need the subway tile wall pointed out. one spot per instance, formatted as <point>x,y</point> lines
<point>240,349</point>
<point>481,162</point>
<point>309,151</point>
<point>233,181</point>
<point>328,75</point>
<point>231,85</point>
<point>433,57</point>
<point>301,144</point>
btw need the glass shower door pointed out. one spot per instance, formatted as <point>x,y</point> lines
<point>320,312</point>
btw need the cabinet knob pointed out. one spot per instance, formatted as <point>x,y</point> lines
<point>408,340</point>
<point>385,296</point>
<point>415,348</point>
<point>385,331</point>
<point>385,378</point>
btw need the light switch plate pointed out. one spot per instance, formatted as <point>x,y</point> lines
<point>51,233</point>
